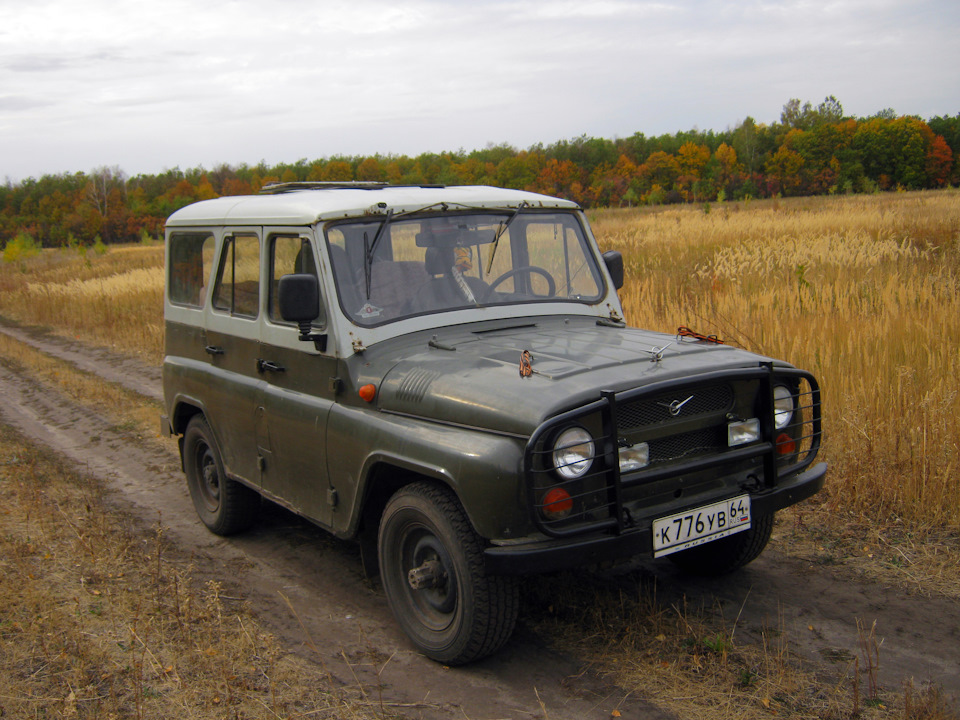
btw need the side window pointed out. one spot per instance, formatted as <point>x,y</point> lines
<point>288,254</point>
<point>238,278</point>
<point>191,255</point>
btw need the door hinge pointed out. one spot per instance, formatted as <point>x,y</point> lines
<point>335,385</point>
<point>332,497</point>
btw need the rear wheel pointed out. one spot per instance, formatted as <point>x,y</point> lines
<point>727,554</point>
<point>431,564</point>
<point>224,505</point>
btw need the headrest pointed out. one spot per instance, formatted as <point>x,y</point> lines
<point>438,260</point>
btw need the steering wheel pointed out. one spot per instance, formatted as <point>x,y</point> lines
<point>529,270</point>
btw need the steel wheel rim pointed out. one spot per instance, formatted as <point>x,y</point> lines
<point>435,607</point>
<point>208,481</point>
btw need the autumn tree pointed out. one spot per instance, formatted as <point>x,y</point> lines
<point>337,171</point>
<point>369,170</point>
<point>783,168</point>
<point>939,162</point>
<point>660,169</point>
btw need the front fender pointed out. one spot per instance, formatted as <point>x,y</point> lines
<point>482,468</point>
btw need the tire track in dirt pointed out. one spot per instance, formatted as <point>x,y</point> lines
<point>919,636</point>
<point>284,563</point>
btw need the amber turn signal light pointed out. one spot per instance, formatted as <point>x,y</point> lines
<point>368,392</point>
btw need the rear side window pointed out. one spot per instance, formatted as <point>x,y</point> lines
<point>238,278</point>
<point>191,255</point>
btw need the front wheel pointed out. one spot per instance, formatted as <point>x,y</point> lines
<point>431,563</point>
<point>224,505</point>
<point>727,554</point>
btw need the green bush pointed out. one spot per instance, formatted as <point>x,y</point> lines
<point>20,248</point>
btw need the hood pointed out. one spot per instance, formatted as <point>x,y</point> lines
<point>471,375</point>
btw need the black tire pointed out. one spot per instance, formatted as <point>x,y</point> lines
<point>457,613</point>
<point>224,505</point>
<point>727,554</point>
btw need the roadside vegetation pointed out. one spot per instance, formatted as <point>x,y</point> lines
<point>104,619</point>
<point>812,150</point>
<point>861,290</point>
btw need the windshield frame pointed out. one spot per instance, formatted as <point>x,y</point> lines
<point>353,263</point>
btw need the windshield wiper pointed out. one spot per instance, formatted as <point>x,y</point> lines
<point>501,230</point>
<point>368,250</point>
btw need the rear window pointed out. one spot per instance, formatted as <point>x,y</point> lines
<point>188,270</point>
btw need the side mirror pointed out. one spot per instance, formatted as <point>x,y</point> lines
<point>298,298</point>
<point>614,262</point>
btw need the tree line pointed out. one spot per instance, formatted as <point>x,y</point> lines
<point>812,150</point>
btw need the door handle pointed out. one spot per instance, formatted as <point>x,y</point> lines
<point>266,365</point>
<point>214,350</point>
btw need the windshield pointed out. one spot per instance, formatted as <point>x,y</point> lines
<point>401,267</point>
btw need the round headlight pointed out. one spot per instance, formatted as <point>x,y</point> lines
<point>573,452</point>
<point>782,406</point>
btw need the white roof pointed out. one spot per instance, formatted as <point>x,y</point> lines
<point>307,206</point>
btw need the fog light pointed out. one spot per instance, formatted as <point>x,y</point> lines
<point>557,504</point>
<point>634,457</point>
<point>743,432</point>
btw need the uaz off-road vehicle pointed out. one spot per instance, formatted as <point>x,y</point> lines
<point>445,374</point>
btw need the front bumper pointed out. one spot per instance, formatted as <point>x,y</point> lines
<point>560,554</point>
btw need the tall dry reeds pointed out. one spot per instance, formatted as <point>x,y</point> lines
<point>863,291</point>
<point>114,299</point>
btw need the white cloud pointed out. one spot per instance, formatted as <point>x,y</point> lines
<point>152,85</point>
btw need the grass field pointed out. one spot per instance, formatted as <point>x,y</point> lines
<point>861,290</point>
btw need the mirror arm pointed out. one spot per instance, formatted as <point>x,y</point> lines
<point>319,339</point>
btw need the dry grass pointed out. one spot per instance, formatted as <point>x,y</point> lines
<point>863,291</point>
<point>688,661</point>
<point>114,299</point>
<point>105,620</point>
<point>868,287</point>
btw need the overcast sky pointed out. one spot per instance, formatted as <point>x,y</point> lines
<point>149,86</point>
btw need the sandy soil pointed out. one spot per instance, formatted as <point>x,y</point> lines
<point>309,589</point>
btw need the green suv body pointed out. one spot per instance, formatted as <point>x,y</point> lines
<point>444,373</point>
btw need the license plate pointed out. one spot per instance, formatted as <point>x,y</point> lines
<point>700,525</point>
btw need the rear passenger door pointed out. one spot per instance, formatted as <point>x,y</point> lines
<point>232,345</point>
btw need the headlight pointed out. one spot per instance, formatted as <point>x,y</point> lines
<point>782,406</point>
<point>573,452</point>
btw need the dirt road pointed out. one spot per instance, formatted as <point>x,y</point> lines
<point>286,563</point>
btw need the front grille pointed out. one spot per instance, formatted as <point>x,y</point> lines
<point>703,400</point>
<point>675,450</point>
<point>687,445</point>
